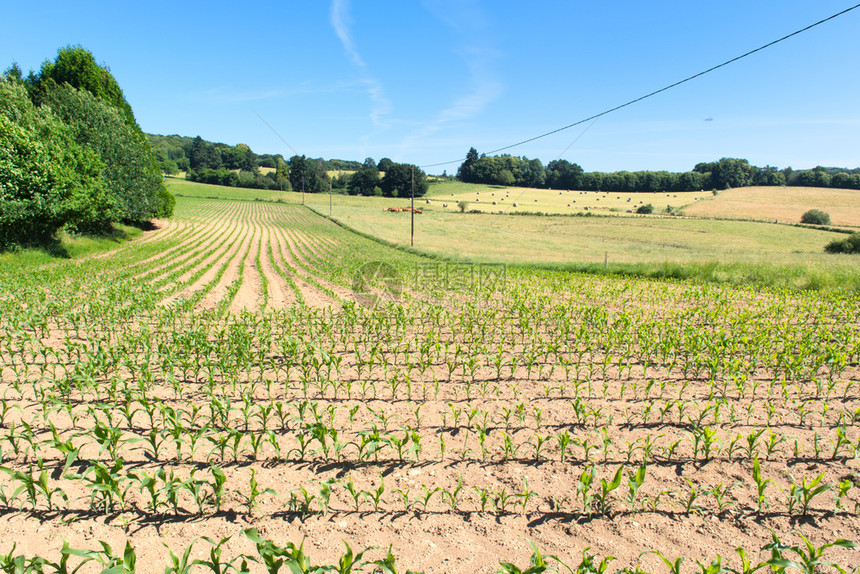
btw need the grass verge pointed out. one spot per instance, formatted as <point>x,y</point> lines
<point>66,246</point>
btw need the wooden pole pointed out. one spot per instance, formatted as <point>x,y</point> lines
<point>412,234</point>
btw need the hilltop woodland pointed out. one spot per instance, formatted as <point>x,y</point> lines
<point>72,156</point>
<point>726,173</point>
<point>238,166</point>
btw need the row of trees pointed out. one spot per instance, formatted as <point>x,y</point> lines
<point>386,178</point>
<point>249,179</point>
<point>238,166</point>
<point>300,173</point>
<point>176,153</point>
<point>72,155</point>
<point>510,170</point>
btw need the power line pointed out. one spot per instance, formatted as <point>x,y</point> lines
<point>663,89</point>
<point>576,139</point>
<point>274,131</point>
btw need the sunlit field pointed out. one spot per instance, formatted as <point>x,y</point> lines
<point>252,382</point>
<point>783,204</point>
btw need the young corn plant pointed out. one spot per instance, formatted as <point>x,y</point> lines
<point>35,487</point>
<point>583,489</point>
<point>634,482</point>
<point>250,500</point>
<point>537,564</point>
<point>183,564</point>
<point>215,564</point>
<point>604,502</point>
<point>810,559</point>
<point>108,485</point>
<point>761,486</point>
<point>126,563</point>
<point>802,495</point>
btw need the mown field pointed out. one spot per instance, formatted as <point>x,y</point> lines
<point>783,204</point>
<point>257,375</point>
<point>770,204</point>
<point>497,198</point>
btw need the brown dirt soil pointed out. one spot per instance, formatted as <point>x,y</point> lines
<point>161,228</point>
<point>217,294</point>
<point>311,295</point>
<point>249,294</point>
<point>228,247</point>
<point>189,251</point>
<point>280,294</point>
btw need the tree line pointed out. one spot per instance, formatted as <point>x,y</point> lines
<point>174,154</point>
<point>511,170</point>
<point>72,156</point>
<point>239,166</point>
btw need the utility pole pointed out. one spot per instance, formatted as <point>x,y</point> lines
<point>412,234</point>
<point>329,198</point>
<point>303,187</point>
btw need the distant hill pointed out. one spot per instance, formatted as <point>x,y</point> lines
<point>174,154</point>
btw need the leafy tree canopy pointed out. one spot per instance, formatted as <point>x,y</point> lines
<point>131,173</point>
<point>399,179</point>
<point>77,67</point>
<point>71,153</point>
<point>47,180</point>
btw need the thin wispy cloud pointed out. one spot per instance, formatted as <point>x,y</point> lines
<point>225,96</point>
<point>479,54</point>
<point>484,87</point>
<point>342,24</point>
<point>228,95</point>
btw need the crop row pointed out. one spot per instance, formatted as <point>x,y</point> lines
<point>115,486</point>
<point>271,557</point>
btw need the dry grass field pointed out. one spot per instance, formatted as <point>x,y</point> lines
<point>782,204</point>
<point>496,199</point>
<point>775,204</point>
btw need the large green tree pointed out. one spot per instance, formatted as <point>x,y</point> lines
<point>307,174</point>
<point>131,172</point>
<point>398,181</point>
<point>561,174</point>
<point>203,155</point>
<point>77,67</point>
<point>47,180</point>
<point>365,181</point>
<point>466,171</point>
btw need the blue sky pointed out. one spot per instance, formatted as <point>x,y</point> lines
<point>422,81</point>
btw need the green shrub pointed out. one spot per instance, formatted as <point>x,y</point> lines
<point>645,209</point>
<point>47,180</point>
<point>815,217</point>
<point>849,245</point>
<point>131,173</point>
